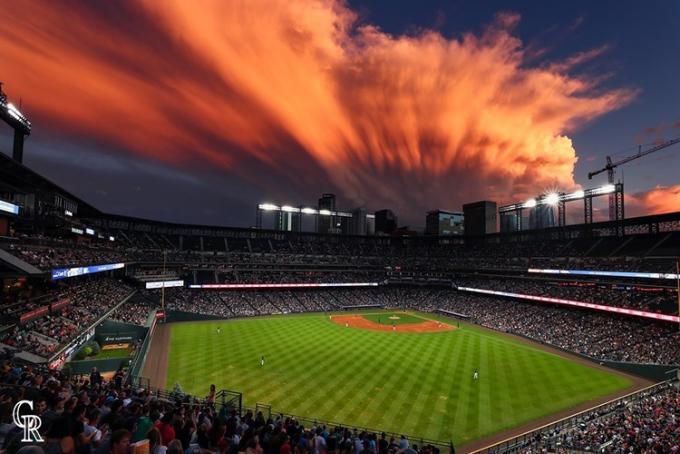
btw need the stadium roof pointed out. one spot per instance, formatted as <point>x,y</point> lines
<point>17,178</point>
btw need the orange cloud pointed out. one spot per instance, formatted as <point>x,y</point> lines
<point>299,90</point>
<point>661,199</point>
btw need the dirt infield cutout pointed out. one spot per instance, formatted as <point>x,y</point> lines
<point>358,321</point>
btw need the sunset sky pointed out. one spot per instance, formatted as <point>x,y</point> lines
<point>196,111</point>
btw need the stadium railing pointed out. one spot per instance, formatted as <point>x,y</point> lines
<point>227,400</point>
<point>541,435</point>
<point>309,422</point>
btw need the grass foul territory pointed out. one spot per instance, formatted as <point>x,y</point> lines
<point>415,383</point>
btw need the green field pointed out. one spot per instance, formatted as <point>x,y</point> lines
<point>384,318</point>
<point>113,353</point>
<point>417,384</point>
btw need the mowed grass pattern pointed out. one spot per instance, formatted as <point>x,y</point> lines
<point>418,384</point>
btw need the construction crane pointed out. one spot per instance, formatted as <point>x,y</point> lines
<point>609,168</point>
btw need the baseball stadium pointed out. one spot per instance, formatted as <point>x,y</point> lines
<point>200,251</point>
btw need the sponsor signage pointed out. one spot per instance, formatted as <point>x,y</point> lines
<point>164,284</point>
<point>598,307</point>
<point>63,273</point>
<point>35,313</point>
<point>118,339</point>
<point>301,285</point>
<point>629,274</point>
<point>60,304</point>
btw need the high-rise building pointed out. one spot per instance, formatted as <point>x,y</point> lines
<point>326,222</point>
<point>359,222</point>
<point>541,217</point>
<point>441,222</point>
<point>480,218</point>
<point>385,221</point>
<point>370,224</point>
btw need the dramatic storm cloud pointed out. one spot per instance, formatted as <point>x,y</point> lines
<point>298,97</point>
<point>661,199</point>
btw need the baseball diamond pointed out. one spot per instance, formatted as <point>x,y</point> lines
<point>417,383</point>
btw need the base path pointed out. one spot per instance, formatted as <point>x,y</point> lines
<point>358,321</point>
<point>156,364</point>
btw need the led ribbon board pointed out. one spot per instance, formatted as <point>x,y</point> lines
<point>303,285</point>
<point>63,273</point>
<point>630,274</point>
<point>598,307</point>
<point>9,207</point>
<point>164,284</point>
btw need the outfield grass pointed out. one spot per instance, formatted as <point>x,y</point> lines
<point>418,384</point>
<point>384,318</point>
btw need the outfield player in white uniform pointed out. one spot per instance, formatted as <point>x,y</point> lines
<point>475,376</point>
<point>262,360</point>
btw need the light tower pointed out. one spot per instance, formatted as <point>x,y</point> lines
<point>18,121</point>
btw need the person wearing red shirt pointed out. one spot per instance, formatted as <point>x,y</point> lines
<point>166,429</point>
<point>285,447</point>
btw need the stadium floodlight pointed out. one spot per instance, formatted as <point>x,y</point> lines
<point>552,199</point>
<point>325,212</point>
<point>578,194</point>
<point>308,211</point>
<point>290,209</point>
<point>268,207</point>
<point>606,189</point>
<point>17,115</point>
<point>529,203</point>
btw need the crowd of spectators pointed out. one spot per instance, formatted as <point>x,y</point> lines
<point>647,423</point>
<point>135,311</point>
<point>660,300</point>
<point>250,276</point>
<point>87,301</point>
<point>599,335</point>
<point>95,416</point>
<point>49,252</point>
<point>46,257</point>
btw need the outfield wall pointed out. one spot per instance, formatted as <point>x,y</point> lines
<point>115,332</point>
<point>179,316</point>
<point>85,366</point>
